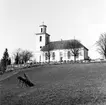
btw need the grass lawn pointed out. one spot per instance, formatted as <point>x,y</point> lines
<point>66,84</point>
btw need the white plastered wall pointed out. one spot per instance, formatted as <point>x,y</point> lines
<point>64,55</point>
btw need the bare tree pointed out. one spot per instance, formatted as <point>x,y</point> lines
<point>101,43</point>
<point>48,48</point>
<point>17,56</point>
<point>74,46</point>
<point>26,55</point>
<point>22,56</point>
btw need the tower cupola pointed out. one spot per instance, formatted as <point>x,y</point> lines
<point>42,38</point>
<point>43,28</point>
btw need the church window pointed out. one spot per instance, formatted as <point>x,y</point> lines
<point>60,54</point>
<point>39,58</point>
<point>46,56</point>
<point>40,47</point>
<point>68,54</point>
<point>64,54</point>
<point>40,38</point>
<point>41,29</point>
<point>80,53</point>
<point>53,55</point>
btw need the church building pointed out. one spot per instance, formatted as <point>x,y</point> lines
<point>58,52</point>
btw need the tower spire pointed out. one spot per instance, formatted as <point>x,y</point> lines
<point>74,37</point>
<point>43,23</point>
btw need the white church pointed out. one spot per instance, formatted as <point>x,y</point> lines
<point>59,51</point>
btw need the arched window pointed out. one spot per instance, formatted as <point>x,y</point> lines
<point>40,38</point>
<point>68,54</point>
<point>61,54</point>
<point>53,55</point>
<point>46,56</point>
<point>41,29</point>
<point>39,58</point>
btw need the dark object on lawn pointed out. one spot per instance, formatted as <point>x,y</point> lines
<point>26,77</point>
<point>25,81</point>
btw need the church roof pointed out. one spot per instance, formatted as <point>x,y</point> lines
<point>43,25</point>
<point>59,45</point>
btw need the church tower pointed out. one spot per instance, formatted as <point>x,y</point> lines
<point>42,39</point>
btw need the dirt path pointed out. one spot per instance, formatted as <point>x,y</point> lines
<point>7,75</point>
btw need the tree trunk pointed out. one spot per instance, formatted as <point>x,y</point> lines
<point>49,60</point>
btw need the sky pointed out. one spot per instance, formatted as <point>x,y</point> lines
<point>65,19</point>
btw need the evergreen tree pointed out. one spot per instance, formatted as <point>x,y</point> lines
<point>4,60</point>
<point>17,59</point>
<point>9,61</point>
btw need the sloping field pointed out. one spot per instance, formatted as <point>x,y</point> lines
<point>66,84</point>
